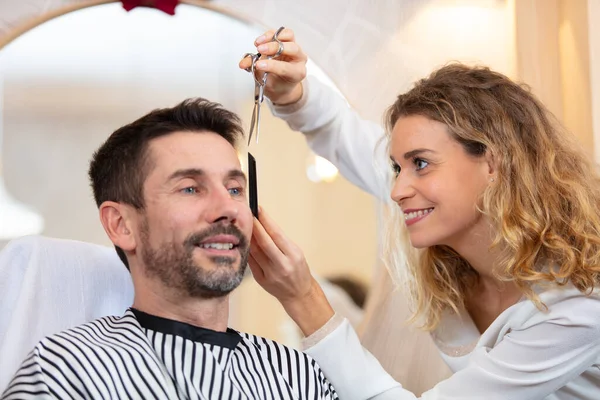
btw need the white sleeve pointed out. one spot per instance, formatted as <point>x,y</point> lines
<point>333,130</point>
<point>530,362</point>
<point>352,370</point>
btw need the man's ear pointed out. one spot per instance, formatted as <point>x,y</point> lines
<point>117,220</point>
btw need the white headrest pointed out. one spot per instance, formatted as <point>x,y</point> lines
<point>48,285</point>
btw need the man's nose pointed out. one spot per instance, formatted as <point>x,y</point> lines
<point>222,206</point>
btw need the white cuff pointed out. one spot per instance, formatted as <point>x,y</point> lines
<point>331,325</point>
<point>352,370</point>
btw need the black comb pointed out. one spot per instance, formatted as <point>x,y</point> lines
<point>253,191</point>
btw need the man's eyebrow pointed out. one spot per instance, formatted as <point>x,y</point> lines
<point>187,173</point>
<point>197,172</point>
<point>236,173</point>
<point>413,153</point>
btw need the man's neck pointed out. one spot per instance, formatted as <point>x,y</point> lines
<point>209,313</point>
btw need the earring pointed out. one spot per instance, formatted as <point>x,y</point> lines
<point>492,179</point>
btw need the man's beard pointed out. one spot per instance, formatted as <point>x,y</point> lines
<point>175,267</point>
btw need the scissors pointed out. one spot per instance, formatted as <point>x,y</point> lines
<point>259,84</point>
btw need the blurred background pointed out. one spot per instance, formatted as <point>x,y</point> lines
<point>73,71</point>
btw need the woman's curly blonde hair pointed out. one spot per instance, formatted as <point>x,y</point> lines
<point>544,205</point>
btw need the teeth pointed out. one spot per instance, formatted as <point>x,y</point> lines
<point>217,246</point>
<point>416,214</point>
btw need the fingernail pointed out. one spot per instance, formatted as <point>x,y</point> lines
<point>260,39</point>
<point>261,64</point>
<point>262,48</point>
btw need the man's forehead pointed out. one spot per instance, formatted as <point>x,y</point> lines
<point>193,150</point>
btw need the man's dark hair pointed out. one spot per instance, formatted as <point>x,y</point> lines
<point>120,166</point>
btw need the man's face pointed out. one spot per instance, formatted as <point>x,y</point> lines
<point>195,230</point>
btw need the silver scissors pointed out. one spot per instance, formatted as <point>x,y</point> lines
<point>259,85</point>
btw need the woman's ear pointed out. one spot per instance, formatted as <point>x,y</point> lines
<point>117,221</point>
<point>492,163</point>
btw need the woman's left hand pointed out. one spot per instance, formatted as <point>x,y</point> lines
<point>279,266</point>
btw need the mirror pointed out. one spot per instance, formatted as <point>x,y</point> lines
<point>73,80</point>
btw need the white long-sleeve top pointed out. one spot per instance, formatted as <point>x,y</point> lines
<point>525,354</point>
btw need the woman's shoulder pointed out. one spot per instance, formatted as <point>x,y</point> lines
<point>558,305</point>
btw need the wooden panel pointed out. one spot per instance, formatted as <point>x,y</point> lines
<point>575,71</point>
<point>594,49</point>
<point>538,59</point>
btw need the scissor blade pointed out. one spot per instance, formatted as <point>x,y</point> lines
<point>252,125</point>
<point>257,122</point>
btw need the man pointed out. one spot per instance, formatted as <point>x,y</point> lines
<point>172,198</point>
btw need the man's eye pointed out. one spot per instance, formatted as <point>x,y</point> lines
<point>190,190</point>
<point>236,191</point>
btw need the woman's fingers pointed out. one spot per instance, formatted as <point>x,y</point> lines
<point>245,63</point>
<point>256,269</point>
<point>278,264</point>
<point>264,247</point>
<point>286,71</point>
<point>290,50</point>
<point>259,255</point>
<point>274,232</point>
<point>278,257</point>
<point>286,35</point>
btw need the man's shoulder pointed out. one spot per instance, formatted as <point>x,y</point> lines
<point>299,369</point>
<point>276,350</point>
<point>108,333</point>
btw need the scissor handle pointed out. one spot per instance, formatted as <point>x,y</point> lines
<point>276,39</point>
<point>256,57</point>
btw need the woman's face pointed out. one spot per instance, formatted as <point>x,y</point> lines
<point>438,185</point>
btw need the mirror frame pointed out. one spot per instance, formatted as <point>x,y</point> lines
<point>14,24</point>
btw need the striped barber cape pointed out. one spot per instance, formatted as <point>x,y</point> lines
<point>140,356</point>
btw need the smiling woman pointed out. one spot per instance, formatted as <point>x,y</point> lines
<point>431,186</point>
<point>497,207</point>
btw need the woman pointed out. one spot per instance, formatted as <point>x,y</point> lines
<point>499,212</point>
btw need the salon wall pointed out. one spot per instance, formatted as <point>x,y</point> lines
<point>557,47</point>
<point>574,46</point>
<point>594,43</point>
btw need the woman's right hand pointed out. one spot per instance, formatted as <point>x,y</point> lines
<point>286,72</point>
<point>279,266</point>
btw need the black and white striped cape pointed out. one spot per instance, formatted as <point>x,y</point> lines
<point>140,356</point>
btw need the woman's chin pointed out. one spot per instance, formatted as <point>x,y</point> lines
<point>421,242</point>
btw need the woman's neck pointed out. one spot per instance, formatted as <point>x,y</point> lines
<point>490,296</point>
<point>475,249</point>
